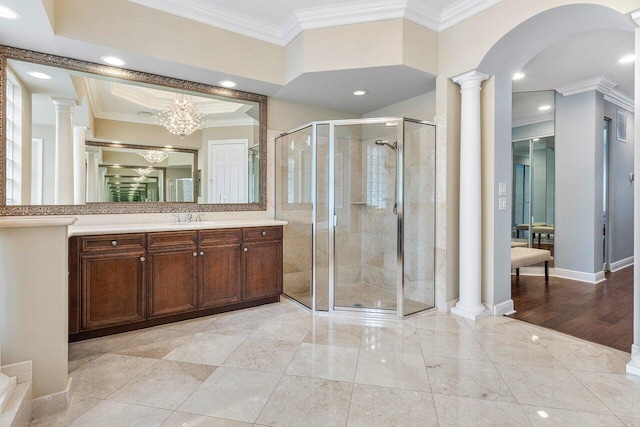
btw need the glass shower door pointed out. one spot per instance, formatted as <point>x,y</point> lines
<point>365,220</point>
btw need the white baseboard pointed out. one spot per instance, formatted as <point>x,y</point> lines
<point>502,309</point>
<point>447,306</point>
<point>578,275</point>
<point>52,403</point>
<point>619,265</point>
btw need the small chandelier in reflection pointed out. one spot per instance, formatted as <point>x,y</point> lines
<point>138,179</point>
<point>154,156</point>
<point>143,171</point>
<point>182,117</point>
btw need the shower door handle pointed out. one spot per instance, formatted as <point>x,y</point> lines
<point>395,208</point>
<point>335,220</point>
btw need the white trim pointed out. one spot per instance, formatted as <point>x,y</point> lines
<point>619,265</point>
<point>446,307</point>
<point>426,13</point>
<point>600,83</point>
<point>502,309</point>
<point>463,9</point>
<point>620,99</point>
<point>215,142</point>
<point>52,403</point>
<point>530,120</point>
<point>579,275</point>
<point>633,366</point>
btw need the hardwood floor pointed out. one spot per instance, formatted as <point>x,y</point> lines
<point>601,313</point>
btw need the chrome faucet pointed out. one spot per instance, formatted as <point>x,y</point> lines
<point>187,217</point>
<point>198,218</point>
<point>176,218</point>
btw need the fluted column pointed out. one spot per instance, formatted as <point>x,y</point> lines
<point>79,168</point>
<point>64,151</point>
<point>633,367</point>
<point>93,182</point>
<point>470,295</point>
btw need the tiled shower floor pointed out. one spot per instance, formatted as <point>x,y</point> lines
<point>360,295</point>
<point>279,365</point>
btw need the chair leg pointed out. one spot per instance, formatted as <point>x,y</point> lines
<point>546,271</point>
<point>517,272</point>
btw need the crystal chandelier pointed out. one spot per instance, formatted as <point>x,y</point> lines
<point>143,171</point>
<point>182,117</point>
<point>138,179</point>
<point>154,156</point>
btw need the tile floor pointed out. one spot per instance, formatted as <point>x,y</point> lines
<point>279,365</point>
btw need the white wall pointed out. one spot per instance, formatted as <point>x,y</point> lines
<point>421,107</point>
<point>48,135</point>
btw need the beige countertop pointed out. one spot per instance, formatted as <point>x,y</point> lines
<point>87,230</point>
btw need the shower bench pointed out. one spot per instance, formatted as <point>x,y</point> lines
<point>523,257</point>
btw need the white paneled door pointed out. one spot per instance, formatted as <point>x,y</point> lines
<point>228,171</point>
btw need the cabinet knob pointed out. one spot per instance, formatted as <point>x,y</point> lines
<point>264,233</point>
<point>114,243</point>
<point>201,253</point>
<point>195,254</point>
<point>246,249</point>
<point>142,258</point>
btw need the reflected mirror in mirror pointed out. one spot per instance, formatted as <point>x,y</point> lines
<point>208,146</point>
<point>533,169</point>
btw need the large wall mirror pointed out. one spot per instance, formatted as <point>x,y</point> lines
<point>85,138</point>
<point>533,135</point>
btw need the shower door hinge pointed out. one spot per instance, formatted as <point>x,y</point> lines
<point>335,220</point>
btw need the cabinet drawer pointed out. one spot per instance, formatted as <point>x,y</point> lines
<point>172,239</point>
<point>215,237</point>
<point>257,234</point>
<point>112,242</point>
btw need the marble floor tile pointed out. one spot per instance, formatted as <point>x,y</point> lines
<point>541,416</point>
<point>206,349</point>
<point>108,373</point>
<point>191,325</point>
<point>171,383</point>
<point>234,394</point>
<point>262,355</point>
<point>441,322</point>
<point>283,330</point>
<point>154,343</point>
<point>78,357</point>
<point>477,379</point>
<point>238,325</point>
<point>383,406</point>
<point>183,419</point>
<point>516,351</point>
<point>299,401</point>
<point>78,406</point>
<point>109,414</point>
<point>396,338</point>
<point>620,393</point>
<point>584,356</point>
<point>630,421</point>
<point>552,387</point>
<point>498,325</point>
<point>323,361</point>
<point>328,331</point>
<point>389,369</point>
<point>108,344</point>
<point>445,344</point>
<point>464,411</point>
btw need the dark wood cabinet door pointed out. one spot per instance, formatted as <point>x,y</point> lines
<point>112,288</point>
<point>171,282</point>
<point>221,280</point>
<point>262,269</point>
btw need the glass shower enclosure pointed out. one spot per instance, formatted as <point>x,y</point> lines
<point>359,198</point>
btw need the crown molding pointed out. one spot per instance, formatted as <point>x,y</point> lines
<point>620,99</point>
<point>426,13</point>
<point>600,84</point>
<point>204,12</point>
<point>463,9</point>
<point>636,16</point>
<point>530,120</point>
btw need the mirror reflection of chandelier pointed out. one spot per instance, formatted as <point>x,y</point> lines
<point>154,156</point>
<point>138,179</point>
<point>143,171</point>
<point>182,117</point>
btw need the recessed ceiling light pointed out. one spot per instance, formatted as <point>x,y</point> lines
<point>544,107</point>
<point>168,146</point>
<point>39,75</point>
<point>117,142</point>
<point>7,13</point>
<point>627,59</point>
<point>227,83</point>
<point>518,76</point>
<point>360,92</point>
<point>535,140</point>
<point>113,60</point>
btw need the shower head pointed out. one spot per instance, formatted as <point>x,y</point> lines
<point>393,146</point>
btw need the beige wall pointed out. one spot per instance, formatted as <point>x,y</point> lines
<point>143,134</point>
<point>286,115</point>
<point>421,107</point>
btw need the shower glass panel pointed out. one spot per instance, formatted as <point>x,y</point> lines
<point>359,198</point>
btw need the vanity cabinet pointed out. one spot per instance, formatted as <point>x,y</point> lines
<point>129,281</point>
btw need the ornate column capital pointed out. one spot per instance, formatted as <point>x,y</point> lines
<point>63,104</point>
<point>470,79</point>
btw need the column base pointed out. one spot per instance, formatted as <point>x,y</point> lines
<point>7,385</point>
<point>633,367</point>
<point>470,314</point>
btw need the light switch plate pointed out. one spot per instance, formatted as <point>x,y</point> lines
<point>502,204</point>
<point>502,189</point>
